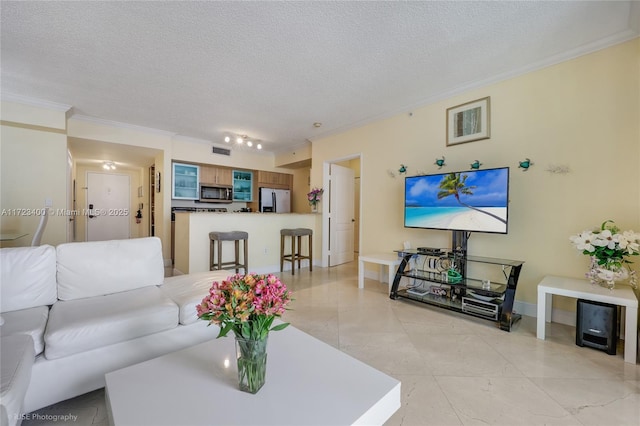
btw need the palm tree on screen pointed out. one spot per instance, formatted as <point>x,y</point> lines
<point>455,184</point>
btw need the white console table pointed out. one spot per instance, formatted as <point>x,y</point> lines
<point>583,289</point>
<point>390,260</point>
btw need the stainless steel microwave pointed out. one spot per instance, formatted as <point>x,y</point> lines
<point>211,193</point>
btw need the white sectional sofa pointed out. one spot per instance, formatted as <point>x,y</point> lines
<point>89,308</point>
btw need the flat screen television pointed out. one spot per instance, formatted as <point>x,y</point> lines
<point>471,201</point>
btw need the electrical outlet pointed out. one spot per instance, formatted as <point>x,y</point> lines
<point>265,250</point>
<point>48,202</point>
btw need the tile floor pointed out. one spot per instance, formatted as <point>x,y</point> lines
<point>455,369</point>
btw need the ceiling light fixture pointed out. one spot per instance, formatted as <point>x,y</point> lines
<point>108,165</point>
<point>242,140</point>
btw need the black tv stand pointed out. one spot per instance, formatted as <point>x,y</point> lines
<point>443,282</point>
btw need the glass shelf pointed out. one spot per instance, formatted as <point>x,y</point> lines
<point>462,293</point>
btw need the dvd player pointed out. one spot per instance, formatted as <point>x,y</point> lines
<point>418,291</point>
<point>429,250</point>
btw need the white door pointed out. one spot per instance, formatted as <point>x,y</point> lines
<point>108,206</point>
<point>341,215</point>
<point>356,216</point>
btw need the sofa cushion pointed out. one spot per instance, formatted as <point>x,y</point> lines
<point>80,325</point>
<point>31,321</point>
<point>103,267</point>
<point>187,291</point>
<point>17,359</point>
<point>27,277</point>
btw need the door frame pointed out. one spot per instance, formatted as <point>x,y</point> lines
<point>325,202</point>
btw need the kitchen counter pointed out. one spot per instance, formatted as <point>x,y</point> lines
<point>192,237</point>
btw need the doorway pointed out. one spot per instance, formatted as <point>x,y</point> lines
<point>108,206</point>
<point>341,227</point>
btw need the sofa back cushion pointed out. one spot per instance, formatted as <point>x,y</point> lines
<point>27,277</point>
<point>104,267</point>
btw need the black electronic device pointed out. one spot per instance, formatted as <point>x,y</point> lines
<point>596,325</point>
<point>468,201</point>
<point>430,251</point>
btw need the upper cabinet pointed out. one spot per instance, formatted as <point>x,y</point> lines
<point>217,175</point>
<point>242,185</point>
<point>275,180</point>
<point>185,178</point>
<point>188,177</point>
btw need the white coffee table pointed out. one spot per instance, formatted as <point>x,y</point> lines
<point>308,383</point>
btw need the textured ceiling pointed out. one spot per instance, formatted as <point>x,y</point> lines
<point>271,69</point>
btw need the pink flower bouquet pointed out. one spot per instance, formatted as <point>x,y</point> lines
<point>315,196</point>
<point>246,305</point>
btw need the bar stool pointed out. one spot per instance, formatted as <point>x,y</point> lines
<point>216,238</point>
<point>296,252</point>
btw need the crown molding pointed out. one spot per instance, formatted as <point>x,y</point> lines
<point>40,103</point>
<point>120,125</point>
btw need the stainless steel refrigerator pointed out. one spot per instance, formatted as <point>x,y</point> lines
<point>275,200</point>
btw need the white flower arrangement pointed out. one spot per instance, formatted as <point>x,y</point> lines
<point>609,249</point>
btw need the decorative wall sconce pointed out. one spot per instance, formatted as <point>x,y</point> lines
<point>475,165</point>
<point>108,165</point>
<point>402,169</point>
<point>440,162</point>
<point>243,140</point>
<point>524,165</point>
<point>560,169</point>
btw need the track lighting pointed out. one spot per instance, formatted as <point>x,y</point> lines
<point>242,140</point>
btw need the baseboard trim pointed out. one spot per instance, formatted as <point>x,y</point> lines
<point>557,315</point>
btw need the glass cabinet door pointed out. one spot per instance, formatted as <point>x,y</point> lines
<point>186,179</point>
<point>242,185</point>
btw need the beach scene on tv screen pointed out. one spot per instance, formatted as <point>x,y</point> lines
<point>471,201</point>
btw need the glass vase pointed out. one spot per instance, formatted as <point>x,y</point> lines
<point>608,275</point>
<point>252,363</point>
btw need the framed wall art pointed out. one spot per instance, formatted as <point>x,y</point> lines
<point>469,122</point>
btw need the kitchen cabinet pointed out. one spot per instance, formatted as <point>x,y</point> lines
<point>275,180</point>
<point>185,181</point>
<point>242,185</point>
<point>217,175</point>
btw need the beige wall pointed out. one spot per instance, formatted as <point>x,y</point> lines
<point>295,156</point>
<point>299,202</point>
<point>33,159</point>
<point>48,117</point>
<point>581,113</point>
